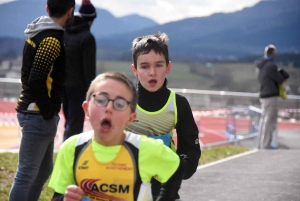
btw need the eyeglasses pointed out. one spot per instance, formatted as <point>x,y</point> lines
<point>118,103</point>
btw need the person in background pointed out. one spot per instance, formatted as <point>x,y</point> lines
<point>159,109</point>
<point>42,76</point>
<point>108,163</point>
<point>80,49</point>
<point>270,78</point>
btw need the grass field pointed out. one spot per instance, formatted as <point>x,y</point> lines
<point>179,70</point>
<point>213,76</point>
<point>9,162</point>
<point>240,77</point>
<point>180,76</point>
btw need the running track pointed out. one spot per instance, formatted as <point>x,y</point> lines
<point>211,128</point>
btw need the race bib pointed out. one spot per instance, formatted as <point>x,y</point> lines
<point>166,138</point>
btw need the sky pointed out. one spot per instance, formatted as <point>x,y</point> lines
<point>163,11</point>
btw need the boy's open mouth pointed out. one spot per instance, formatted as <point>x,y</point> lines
<point>152,81</point>
<point>106,124</point>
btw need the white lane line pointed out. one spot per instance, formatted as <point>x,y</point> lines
<point>214,132</point>
<point>9,150</point>
<point>227,159</point>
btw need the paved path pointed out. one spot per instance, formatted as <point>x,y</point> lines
<point>261,176</point>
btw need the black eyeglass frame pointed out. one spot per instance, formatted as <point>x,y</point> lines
<point>112,100</point>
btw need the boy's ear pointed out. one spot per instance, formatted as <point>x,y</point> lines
<point>85,106</point>
<point>131,118</point>
<point>134,70</point>
<point>169,67</point>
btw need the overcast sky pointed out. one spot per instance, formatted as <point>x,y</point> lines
<point>163,11</point>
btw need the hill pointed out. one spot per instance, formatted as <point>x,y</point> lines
<point>138,22</point>
<point>15,16</point>
<point>226,34</point>
<point>222,36</point>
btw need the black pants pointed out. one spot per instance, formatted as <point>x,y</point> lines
<point>155,188</point>
<point>72,108</point>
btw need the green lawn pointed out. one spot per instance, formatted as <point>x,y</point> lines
<point>9,162</point>
<point>240,77</point>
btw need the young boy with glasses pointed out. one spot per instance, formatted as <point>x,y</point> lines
<point>108,163</point>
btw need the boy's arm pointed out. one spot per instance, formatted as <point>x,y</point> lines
<point>73,193</point>
<point>169,190</point>
<point>159,161</point>
<point>62,175</point>
<point>188,147</point>
<point>165,167</point>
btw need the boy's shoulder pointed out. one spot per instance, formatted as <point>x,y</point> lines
<point>181,100</point>
<point>132,138</point>
<point>84,137</point>
<point>178,96</point>
<point>78,139</point>
<point>137,139</point>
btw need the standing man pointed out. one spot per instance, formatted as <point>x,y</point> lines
<point>270,78</point>
<point>42,75</point>
<point>81,67</point>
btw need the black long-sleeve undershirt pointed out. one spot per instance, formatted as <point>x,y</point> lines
<point>186,128</point>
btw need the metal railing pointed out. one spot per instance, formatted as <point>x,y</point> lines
<point>10,88</point>
<point>208,99</point>
<point>235,141</point>
<point>199,100</point>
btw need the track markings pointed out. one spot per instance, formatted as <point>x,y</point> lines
<point>227,159</point>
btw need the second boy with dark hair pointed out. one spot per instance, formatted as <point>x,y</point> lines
<point>159,109</point>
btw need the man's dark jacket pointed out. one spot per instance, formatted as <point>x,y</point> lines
<point>269,77</point>
<point>80,48</point>
<point>43,68</point>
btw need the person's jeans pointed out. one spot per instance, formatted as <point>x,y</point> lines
<point>35,156</point>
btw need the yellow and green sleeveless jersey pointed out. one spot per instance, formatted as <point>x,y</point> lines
<point>114,173</point>
<point>158,124</point>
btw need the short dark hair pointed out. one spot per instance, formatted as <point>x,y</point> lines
<point>144,44</point>
<point>269,50</point>
<point>118,77</point>
<point>57,8</point>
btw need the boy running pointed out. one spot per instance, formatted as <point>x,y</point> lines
<point>159,109</point>
<point>108,164</point>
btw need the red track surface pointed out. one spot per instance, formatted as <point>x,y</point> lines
<point>211,129</point>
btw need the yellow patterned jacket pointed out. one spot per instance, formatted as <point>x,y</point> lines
<point>43,68</point>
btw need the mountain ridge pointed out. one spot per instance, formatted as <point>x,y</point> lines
<point>234,35</point>
<point>15,16</point>
<point>237,34</point>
